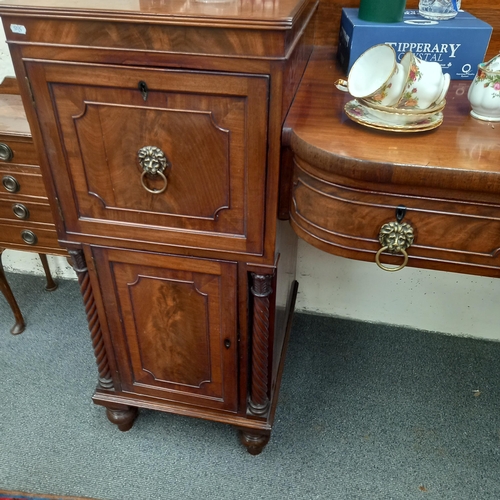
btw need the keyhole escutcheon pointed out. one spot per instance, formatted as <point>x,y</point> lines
<point>144,90</point>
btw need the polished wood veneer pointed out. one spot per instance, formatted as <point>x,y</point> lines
<point>158,126</point>
<point>26,219</point>
<point>189,292</point>
<point>349,179</point>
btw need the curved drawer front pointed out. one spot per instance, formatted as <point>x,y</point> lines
<point>170,157</point>
<point>346,221</point>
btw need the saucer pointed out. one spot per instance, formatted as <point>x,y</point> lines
<point>400,118</point>
<point>391,109</point>
<point>361,114</point>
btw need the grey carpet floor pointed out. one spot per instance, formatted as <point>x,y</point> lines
<point>366,412</point>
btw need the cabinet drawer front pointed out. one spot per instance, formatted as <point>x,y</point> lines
<point>346,221</point>
<point>17,150</point>
<point>16,180</point>
<point>211,129</point>
<point>26,237</point>
<point>19,210</point>
<point>173,326</point>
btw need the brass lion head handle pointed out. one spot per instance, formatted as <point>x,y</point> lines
<point>153,162</point>
<point>395,237</point>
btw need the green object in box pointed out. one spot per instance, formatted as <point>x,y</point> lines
<point>382,11</point>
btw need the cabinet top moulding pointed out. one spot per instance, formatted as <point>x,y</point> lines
<point>247,14</point>
<point>236,28</point>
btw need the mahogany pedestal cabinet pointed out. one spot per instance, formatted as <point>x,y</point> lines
<point>159,129</point>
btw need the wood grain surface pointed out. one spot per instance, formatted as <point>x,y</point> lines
<point>241,13</point>
<point>463,153</point>
<point>349,179</point>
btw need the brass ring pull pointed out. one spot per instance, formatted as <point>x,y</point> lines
<point>153,162</point>
<point>391,269</point>
<point>154,191</point>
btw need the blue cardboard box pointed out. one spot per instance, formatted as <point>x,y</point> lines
<point>458,44</point>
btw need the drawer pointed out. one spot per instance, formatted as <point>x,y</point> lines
<point>19,180</point>
<point>16,236</point>
<point>17,150</point>
<point>207,134</point>
<point>346,221</point>
<point>12,210</point>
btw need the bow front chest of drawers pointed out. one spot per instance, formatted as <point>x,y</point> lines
<point>159,126</point>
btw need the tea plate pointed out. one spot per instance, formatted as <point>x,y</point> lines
<point>361,114</point>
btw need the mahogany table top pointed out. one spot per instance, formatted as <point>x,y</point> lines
<point>264,13</point>
<point>461,154</point>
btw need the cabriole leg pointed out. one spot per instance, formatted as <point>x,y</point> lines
<point>20,325</point>
<point>51,284</point>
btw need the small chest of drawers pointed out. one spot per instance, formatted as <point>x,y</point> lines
<point>26,221</point>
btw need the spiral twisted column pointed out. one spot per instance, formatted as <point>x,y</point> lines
<point>80,267</point>
<point>261,290</point>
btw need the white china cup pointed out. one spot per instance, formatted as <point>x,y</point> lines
<point>425,83</point>
<point>375,76</point>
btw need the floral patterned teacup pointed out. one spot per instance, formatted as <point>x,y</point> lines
<point>484,92</point>
<point>375,76</point>
<point>425,83</point>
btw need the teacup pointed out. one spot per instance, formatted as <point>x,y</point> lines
<point>425,83</point>
<point>375,76</point>
<point>484,91</point>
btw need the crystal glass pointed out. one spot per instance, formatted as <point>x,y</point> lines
<point>439,10</point>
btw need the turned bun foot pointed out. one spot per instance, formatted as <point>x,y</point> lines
<point>123,418</point>
<point>254,441</point>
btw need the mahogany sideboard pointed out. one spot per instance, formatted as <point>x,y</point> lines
<point>350,180</point>
<point>159,127</point>
<point>26,221</point>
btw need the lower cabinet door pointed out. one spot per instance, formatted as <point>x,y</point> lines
<point>172,324</point>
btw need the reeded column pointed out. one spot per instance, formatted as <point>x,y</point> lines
<point>80,267</point>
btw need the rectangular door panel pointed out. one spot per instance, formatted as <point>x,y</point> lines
<point>173,325</point>
<point>157,155</point>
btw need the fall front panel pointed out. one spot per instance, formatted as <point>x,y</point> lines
<point>178,156</point>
